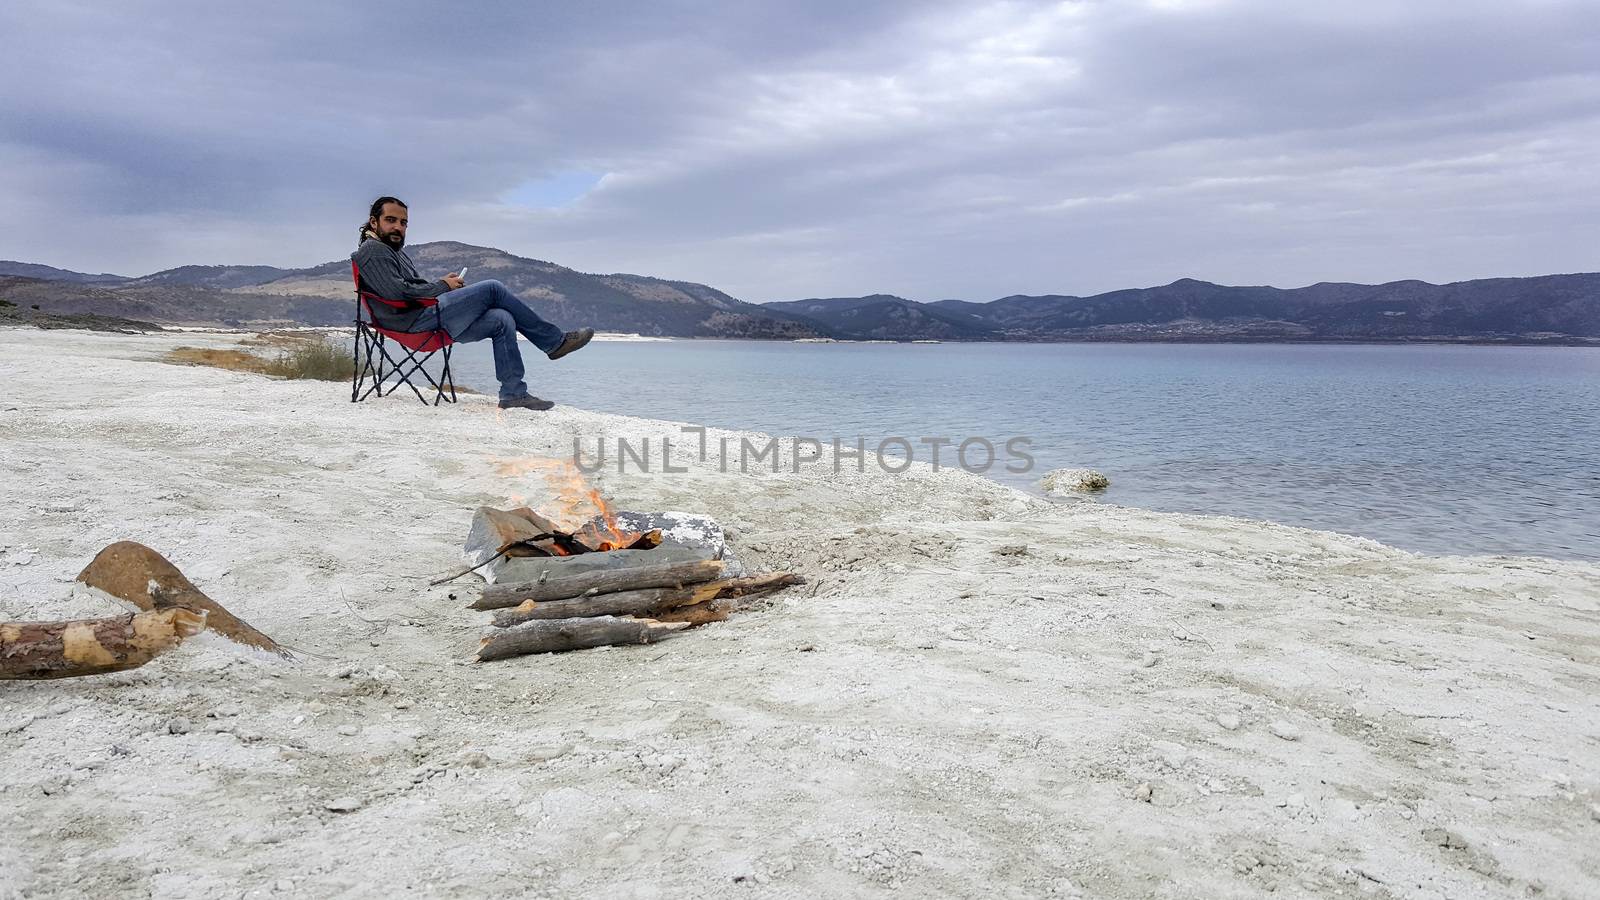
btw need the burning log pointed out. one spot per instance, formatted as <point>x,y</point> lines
<point>555,636</point>
<point>36,650</point>
<point>560,587</point>
<point>654,602</point>
<point>135,574</point>
<point>523,532</point>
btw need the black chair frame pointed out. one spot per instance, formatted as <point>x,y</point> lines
<point>383,374</point>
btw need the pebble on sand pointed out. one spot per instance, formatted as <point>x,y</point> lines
<point>1228,721</point>
<point>473,759</point>
<point>1286,730</point>
<point>545,754</point>
<point>16,724</point>
<point>342,804</point>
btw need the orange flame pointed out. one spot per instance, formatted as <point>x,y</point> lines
<point>574,504</point>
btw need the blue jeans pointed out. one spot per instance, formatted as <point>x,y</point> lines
<point>488,309</point>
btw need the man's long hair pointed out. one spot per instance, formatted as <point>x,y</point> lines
<point>367,230</point>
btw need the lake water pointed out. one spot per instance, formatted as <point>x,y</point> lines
<point>1436,449</point>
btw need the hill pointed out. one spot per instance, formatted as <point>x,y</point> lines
<point>322,295</point>
<point>891,318</point>
<point>51,273</point>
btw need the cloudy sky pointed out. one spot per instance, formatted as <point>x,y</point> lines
<point>780,149</point>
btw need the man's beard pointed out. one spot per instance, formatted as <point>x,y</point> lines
<point>394,239</point>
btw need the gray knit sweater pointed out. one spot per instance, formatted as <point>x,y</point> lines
<point>390,274</point>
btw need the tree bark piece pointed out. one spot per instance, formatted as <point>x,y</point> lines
<point>652,602</point>
<point>133,573</point>
<point>560,587</point>
<point>757,584</point>
<point>735,594</point>
<point>558,635</point>
<point>703,613</point>
<point>68,649</point>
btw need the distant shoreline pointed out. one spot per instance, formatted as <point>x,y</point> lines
<point>1364,341</point>
<point>103,323</point>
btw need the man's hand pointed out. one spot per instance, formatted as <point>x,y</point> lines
<point>454,281</point>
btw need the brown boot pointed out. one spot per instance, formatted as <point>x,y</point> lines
<point>572,341</point>
<point>526,401</point>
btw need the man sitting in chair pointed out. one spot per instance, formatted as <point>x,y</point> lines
<point>486,309</point>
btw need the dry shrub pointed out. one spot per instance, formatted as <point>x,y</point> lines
<point>318,359</point>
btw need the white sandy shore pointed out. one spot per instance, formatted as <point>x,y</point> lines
<point>938,714</point>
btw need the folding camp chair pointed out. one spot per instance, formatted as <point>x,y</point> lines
<point>372,352</point>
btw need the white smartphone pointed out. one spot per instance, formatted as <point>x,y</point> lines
<point>462,274</point>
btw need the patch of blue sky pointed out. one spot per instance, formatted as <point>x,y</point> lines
<point>560,189</point>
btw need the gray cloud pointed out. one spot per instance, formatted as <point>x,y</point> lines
<point>779,150</point>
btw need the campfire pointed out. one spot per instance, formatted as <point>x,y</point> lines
<point>577,573</point>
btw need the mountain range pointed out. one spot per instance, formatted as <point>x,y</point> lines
<point>1541,309</point>
<point>1548,308</point>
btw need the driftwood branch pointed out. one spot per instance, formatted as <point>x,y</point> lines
<point>557,635</point>
<point>470,569</point>
<point>652,602</point>
<point>93,646</point>
<point>133,573</point>
<point>560,587</point>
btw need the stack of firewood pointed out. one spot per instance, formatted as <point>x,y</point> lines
<point>570,599</point>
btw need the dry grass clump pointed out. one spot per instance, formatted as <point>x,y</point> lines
<point>234,360</point>
<point>313,358</point>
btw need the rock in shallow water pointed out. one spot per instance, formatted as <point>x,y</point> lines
<point>1066,482</point>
